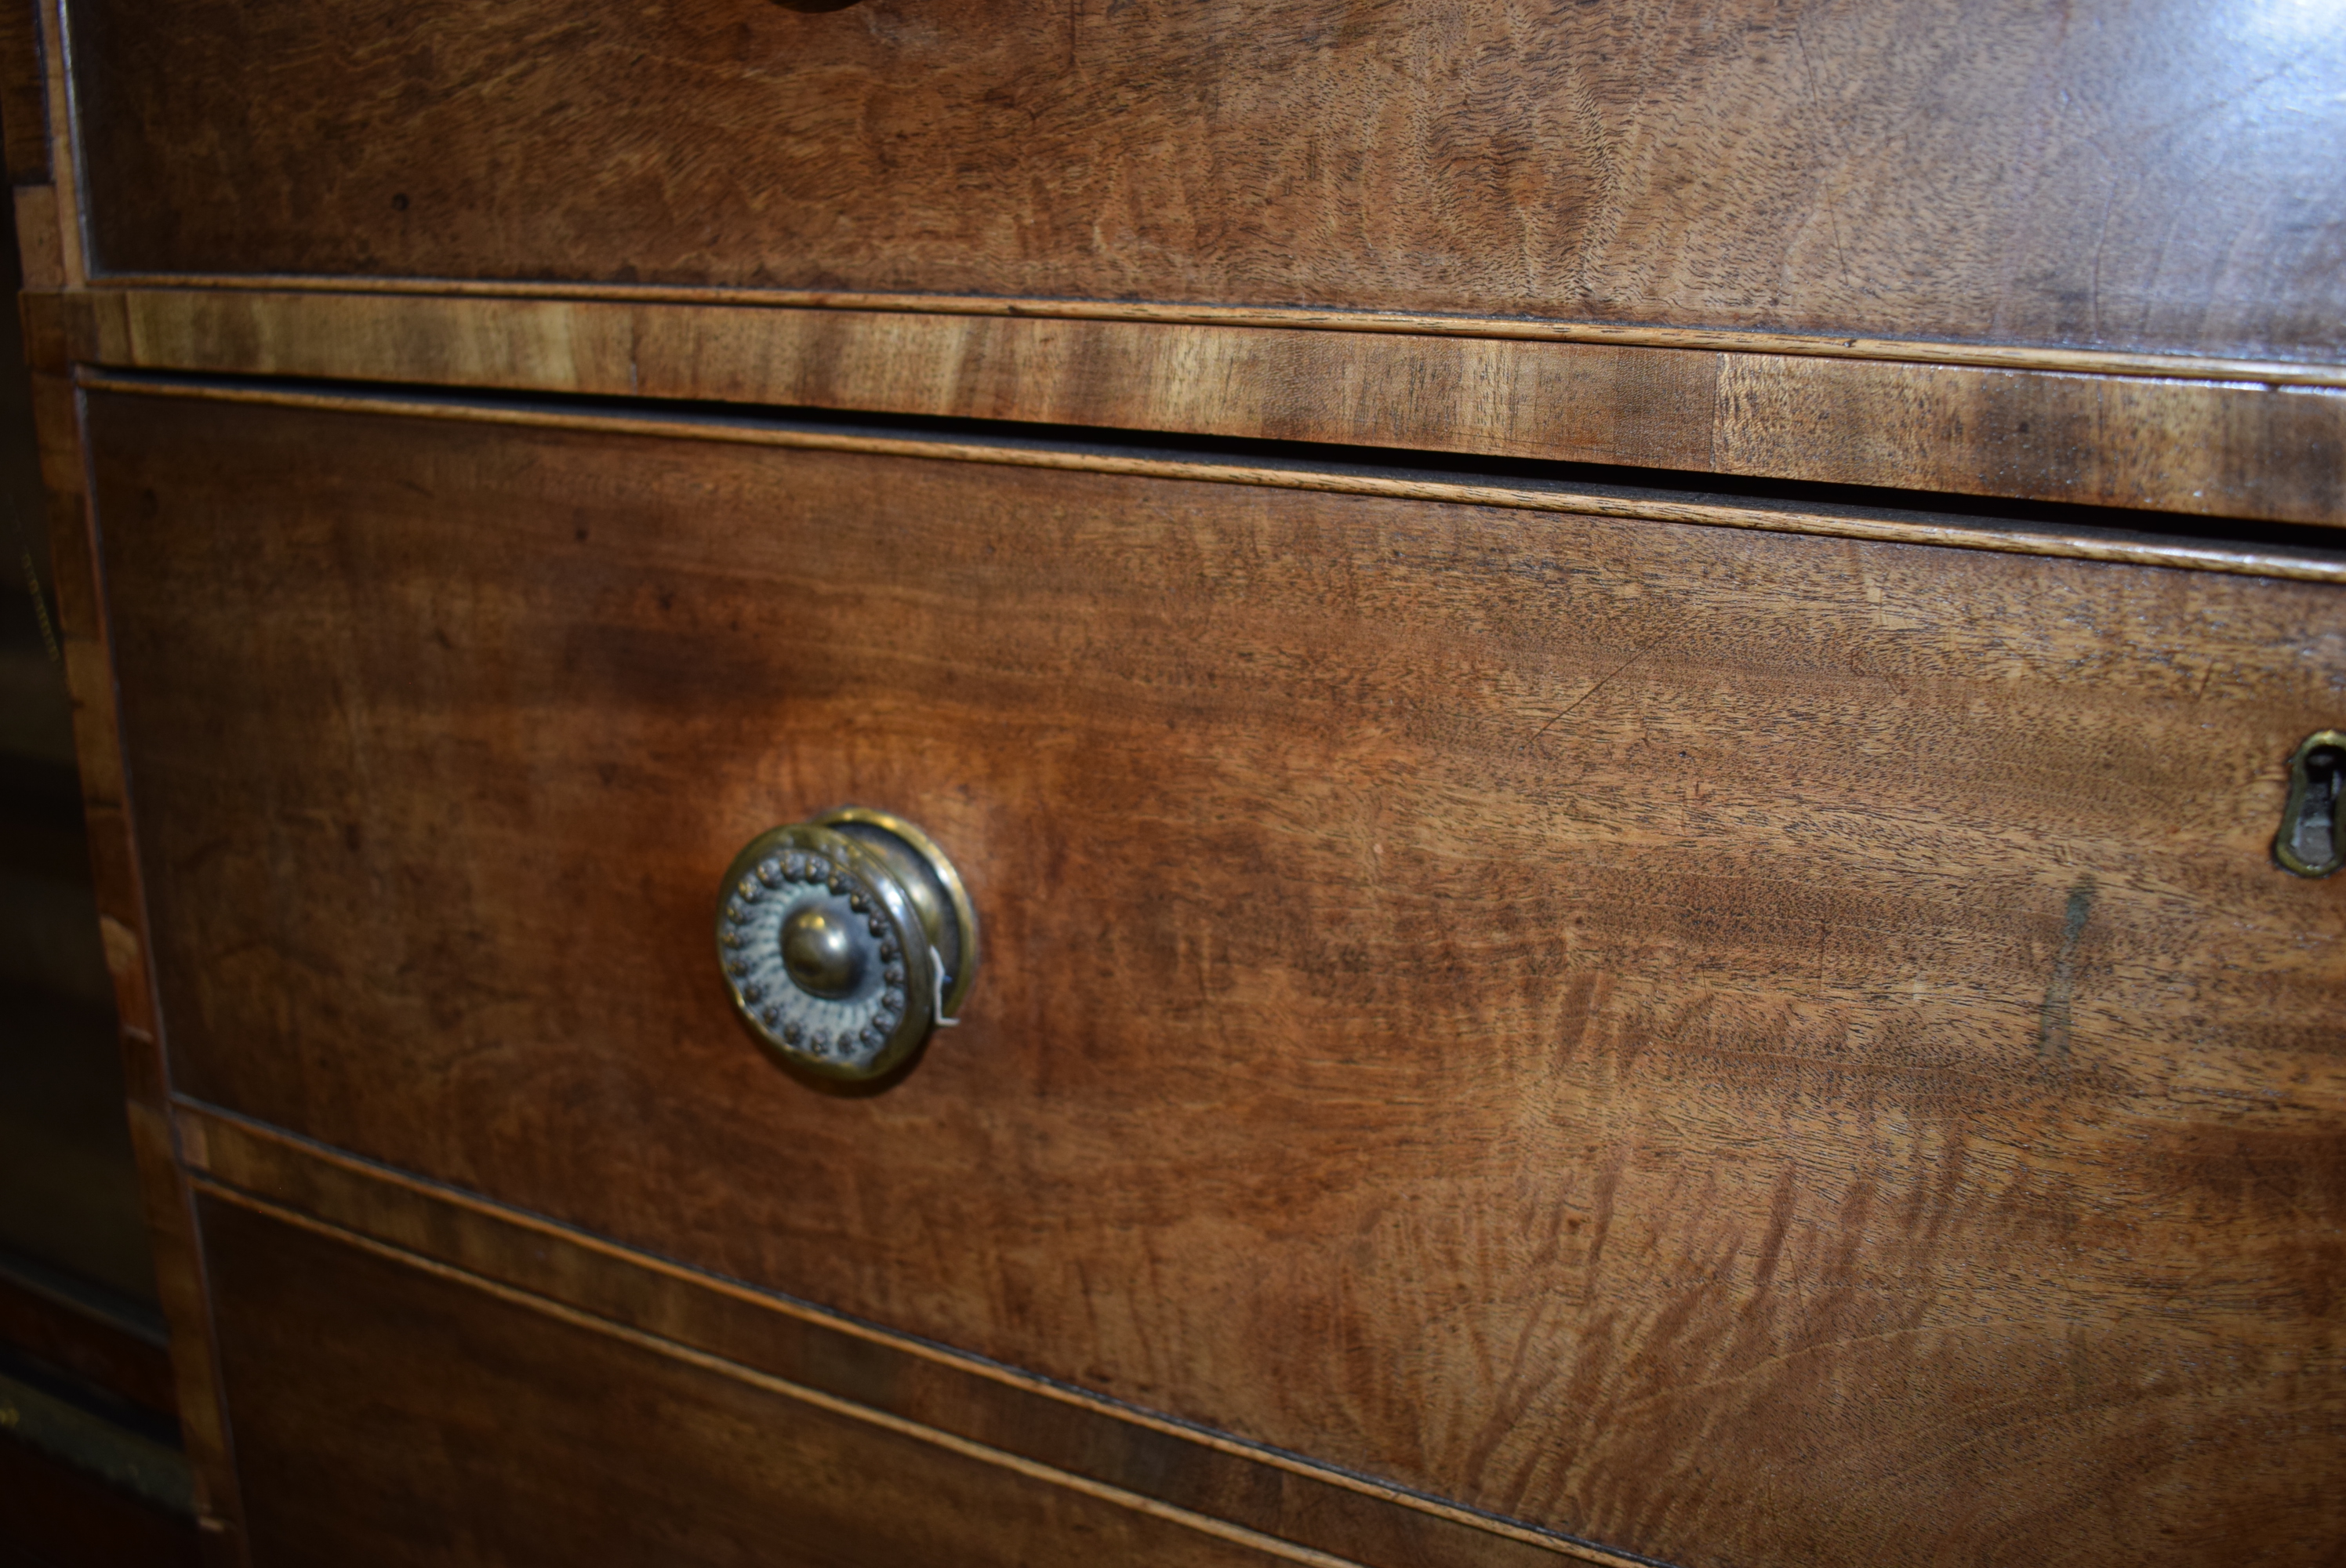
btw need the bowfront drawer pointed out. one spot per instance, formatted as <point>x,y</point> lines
<point>1745,1046</point>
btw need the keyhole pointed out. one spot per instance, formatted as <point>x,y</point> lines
<point>2308,840</point>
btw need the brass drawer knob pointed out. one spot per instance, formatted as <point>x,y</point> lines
<point>845,939</point>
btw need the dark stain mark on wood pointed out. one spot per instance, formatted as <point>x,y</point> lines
<point>2053,1023</point>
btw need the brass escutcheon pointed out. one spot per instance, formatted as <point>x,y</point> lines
<point>2309,842</point>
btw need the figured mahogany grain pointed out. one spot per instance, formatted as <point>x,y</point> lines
<point>385,1415</point>
<point>1747,1048</point>
<point>1208,1474</point>
<point>2206,446</point>
<point>2244,557</point>
<point>2139,174</point>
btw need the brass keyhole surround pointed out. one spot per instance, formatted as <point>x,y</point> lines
<point>2312,841</point>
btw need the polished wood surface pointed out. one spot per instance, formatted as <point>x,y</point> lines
<point>2303,558</point>
<point>1759,1050</point>
<point>391,1413</point>
<point>1409,323</point>
<point>2223,448</point>
<point>180,1290</point>
<point>1740,1047</point>
<point>2152,175</point>
<point>1080,1437</point>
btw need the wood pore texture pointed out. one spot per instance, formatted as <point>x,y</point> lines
<point>1750,1049</point>
<point>2157,175</point>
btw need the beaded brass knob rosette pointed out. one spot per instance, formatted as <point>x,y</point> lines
<point>844,941</point>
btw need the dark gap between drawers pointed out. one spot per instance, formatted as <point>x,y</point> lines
<point>2111,526</point>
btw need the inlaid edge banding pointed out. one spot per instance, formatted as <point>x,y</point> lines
<point>2193,556</point>
<point>206,1130</point>
<point>65,139</point>
<point>2232,448</point>
<point>1924,352</point>
<point>739,1372</point>
<point>118,884</point>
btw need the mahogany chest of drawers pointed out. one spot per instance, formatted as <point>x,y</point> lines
<point>1632,700</point>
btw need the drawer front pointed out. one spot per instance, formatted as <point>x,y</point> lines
<point>1750,1048</point>
<point>2155,176</point>
<point>390,1415</point>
